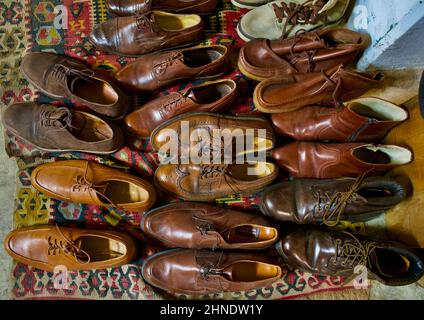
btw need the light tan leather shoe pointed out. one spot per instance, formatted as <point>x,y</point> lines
<point>87,182</point>
<point>46,247</point>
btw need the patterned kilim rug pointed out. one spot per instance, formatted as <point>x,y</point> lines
<point>30,26</point>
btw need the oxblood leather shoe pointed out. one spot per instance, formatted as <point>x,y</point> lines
<point>145,33</point>
<point>335,253</point>
<point>326,161</point>
<point>46,247</point>
<point>61,77</point>
<point>309,52</point>
<point>53,129</point>
<point>210,96</point>
<point>201,226</point>
<point>193,272</point>
<point>133,7</point>
<point>285,18</point>
<point>293,92</point>
<point>160,70</point>
<point>362,120</point>
<point>87,182</point>
<point>245,127</point>
<point>312,201</point>
<point>209,182</point>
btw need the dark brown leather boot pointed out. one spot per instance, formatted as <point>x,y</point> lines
<point>362,120</point>
<point>337,253</point>
<point>192,272</point>
<point>61,77</point>
<point>328,201</point>
<point>201,226</point>
<point>54,129</point>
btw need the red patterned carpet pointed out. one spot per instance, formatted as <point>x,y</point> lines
<point>29,25</point>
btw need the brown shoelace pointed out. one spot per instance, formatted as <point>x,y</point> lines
<point>68,247</point>
<point>338,202</point>
<point>210,269</point>
<point>173,103</point>
<point>337,83</point>
<point>308,12</point>
<point>145,21</point>
<point>59,118</point>
<point>61,72</point>
<point>212,172</point>
<point>161,67</point>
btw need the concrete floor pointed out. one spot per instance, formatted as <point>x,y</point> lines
<point>8,171</point>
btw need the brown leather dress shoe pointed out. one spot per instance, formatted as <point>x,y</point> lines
<point>201,226</point>
<point>333,253</point>
<point>61,77</point>
<point>87,182</point>
<point>309,52</point>
<point>152,31</point>
<point>229,129</point>
<point>326,161</point>
<point>210,96</point>
<point>54,129</point>
<point>306,201</point>
<point>293,92</point>
<point>363,120</point>
<point>133,7</point>
<point>47,247</point>
<point>161,70</point>
<point>209,182</point>
<point>193,272</point>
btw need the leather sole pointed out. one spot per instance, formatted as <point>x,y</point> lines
<point>259,107</point>
<point>241,34</point>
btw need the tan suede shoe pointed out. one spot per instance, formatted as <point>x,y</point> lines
<point>82,181</point>
<point>54,129</point>
<point>48,247</point>
<point>61,77</point>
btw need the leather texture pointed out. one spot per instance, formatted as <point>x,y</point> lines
<point>235,126</point>
<point>308,52</point>
<point>54,129</point>
<point>87,182</point>
<point>199,272</point>
<point>361,120</point>
<point>290,93</point>
<point>201,226</point>
<point>326,161</point>
<point>335,253</point>
<point>61,77</point>
<point>133,7</point>
<point>209,182</point>
<point>208,97</point>
<point>160,70</point>
<point>145,33</point>
<point>312,201</point>
<point>48,247</point>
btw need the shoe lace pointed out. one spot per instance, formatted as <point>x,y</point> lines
<point>60,72</point>
<point>309,55</point>
<point>84,185</point>
<point>59,118</point>
<point>213,171</point>
<point>68,247</point>
<point>209,269</point>
<point>351,253</point>
<point>336,83</point>
<point>308,12</point>
<point>337,203</point>
<point>145,21</point>
<point>161,67</point>
<point>174,103</point>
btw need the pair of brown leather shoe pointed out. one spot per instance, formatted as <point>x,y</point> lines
<point>197,226</point>
<point>207,155</point>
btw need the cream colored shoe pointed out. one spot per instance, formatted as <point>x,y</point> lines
<point>249,4</point>
<point>282,19</point>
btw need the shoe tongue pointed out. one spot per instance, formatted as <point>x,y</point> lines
<point>228,272</point>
